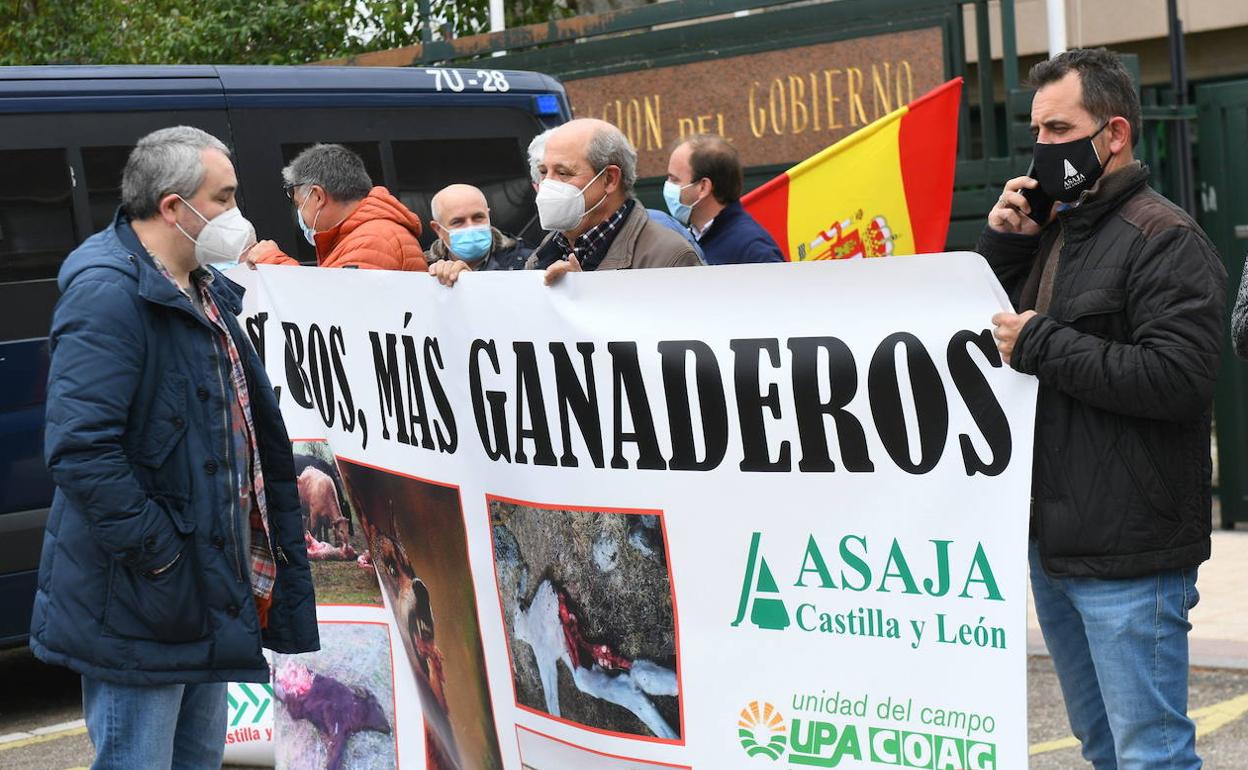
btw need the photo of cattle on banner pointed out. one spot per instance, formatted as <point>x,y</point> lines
<point>338,549</point>
<point>587,602</point>
<point>418,545</point>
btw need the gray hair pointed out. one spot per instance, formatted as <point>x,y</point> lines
<point>537,148</point>
<point>166,161</point>
<point>338,170</point>
<point>610,147</point>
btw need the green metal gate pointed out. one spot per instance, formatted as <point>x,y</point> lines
<point>1223,178</point>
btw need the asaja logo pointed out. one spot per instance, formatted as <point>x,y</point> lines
<point>857,569</point>
<point>1073,177</point>
<point>762,730</point>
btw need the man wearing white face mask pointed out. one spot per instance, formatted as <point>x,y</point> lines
<point>585,198</point>
<point>175,542</point>
<point>466,239</point>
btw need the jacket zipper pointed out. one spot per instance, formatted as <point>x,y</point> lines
<point>233,488</point>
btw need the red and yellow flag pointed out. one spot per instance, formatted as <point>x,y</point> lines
<point>884,190</point>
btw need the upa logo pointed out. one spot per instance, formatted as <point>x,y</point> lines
<point>762,731</point>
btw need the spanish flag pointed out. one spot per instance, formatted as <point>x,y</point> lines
<point>884,190</point>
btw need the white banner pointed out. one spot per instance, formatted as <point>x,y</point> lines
<point>749,516</point>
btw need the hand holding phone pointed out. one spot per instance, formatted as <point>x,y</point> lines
<point>1041,204</point>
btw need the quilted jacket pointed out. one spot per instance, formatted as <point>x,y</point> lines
<point>1127,356</point>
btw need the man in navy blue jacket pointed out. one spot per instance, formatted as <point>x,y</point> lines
<point>174,547</point>
<point>703,191</point>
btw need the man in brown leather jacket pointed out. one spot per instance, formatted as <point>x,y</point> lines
<point>585,199</point>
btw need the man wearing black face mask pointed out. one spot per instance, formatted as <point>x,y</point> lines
<point>1120,299</point>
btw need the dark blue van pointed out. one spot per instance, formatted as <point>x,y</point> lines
<point>65,133</point>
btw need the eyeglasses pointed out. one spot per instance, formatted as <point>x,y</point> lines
<point>289,189</point>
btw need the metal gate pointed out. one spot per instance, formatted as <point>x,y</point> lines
<point>1223,178</point>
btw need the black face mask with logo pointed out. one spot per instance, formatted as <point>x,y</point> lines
<point>1065,170</point>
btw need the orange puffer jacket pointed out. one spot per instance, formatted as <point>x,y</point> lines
<point>380,235</point>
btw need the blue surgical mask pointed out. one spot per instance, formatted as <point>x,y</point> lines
<point>471,243</point>
<point>308,232</point>
<point>679,211</point>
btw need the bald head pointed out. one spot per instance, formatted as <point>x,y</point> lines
<point>458,204</point>
<point>595,144</point>
<point>579,132</point>
<point>595,157</point>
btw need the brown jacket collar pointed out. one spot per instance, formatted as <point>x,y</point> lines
<point>639,244</point>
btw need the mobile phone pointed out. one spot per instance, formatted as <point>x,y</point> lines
<point>1041,204</point>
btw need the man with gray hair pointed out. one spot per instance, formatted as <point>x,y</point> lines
<point>350,222</point>
<point>537,148</point>
<point>175,546</point>
<point>585,197</point>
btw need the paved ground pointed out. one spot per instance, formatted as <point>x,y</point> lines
<point>1219,704</point>
<point>40,707</point>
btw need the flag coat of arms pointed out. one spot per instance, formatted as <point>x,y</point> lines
<point>884,190</point>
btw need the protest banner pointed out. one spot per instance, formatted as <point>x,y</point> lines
<point>249,724</point>
<point>343,707</point>
<point>745,517</point>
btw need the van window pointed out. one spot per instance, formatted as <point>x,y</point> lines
<point>498,166</point>
<point>369,152</point>
<point>36,213</point>
<point>102,167</point>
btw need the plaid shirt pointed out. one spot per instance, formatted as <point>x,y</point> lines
<point>591,246</point>
<point>251,498</point>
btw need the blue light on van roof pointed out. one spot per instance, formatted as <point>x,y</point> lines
<point>546,104</point>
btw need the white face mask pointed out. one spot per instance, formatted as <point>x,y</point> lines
<point>561,206</point>
<point>224,239</point>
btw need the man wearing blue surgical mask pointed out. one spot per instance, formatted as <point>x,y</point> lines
<point>466,239</point>
<point>703,192</point>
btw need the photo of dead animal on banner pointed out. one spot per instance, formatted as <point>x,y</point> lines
<point>419,546</point>
<point>335,708</point>
<point>588,606</point>
<point>337,546</point>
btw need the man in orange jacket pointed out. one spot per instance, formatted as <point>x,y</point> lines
<point>350,222</point>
